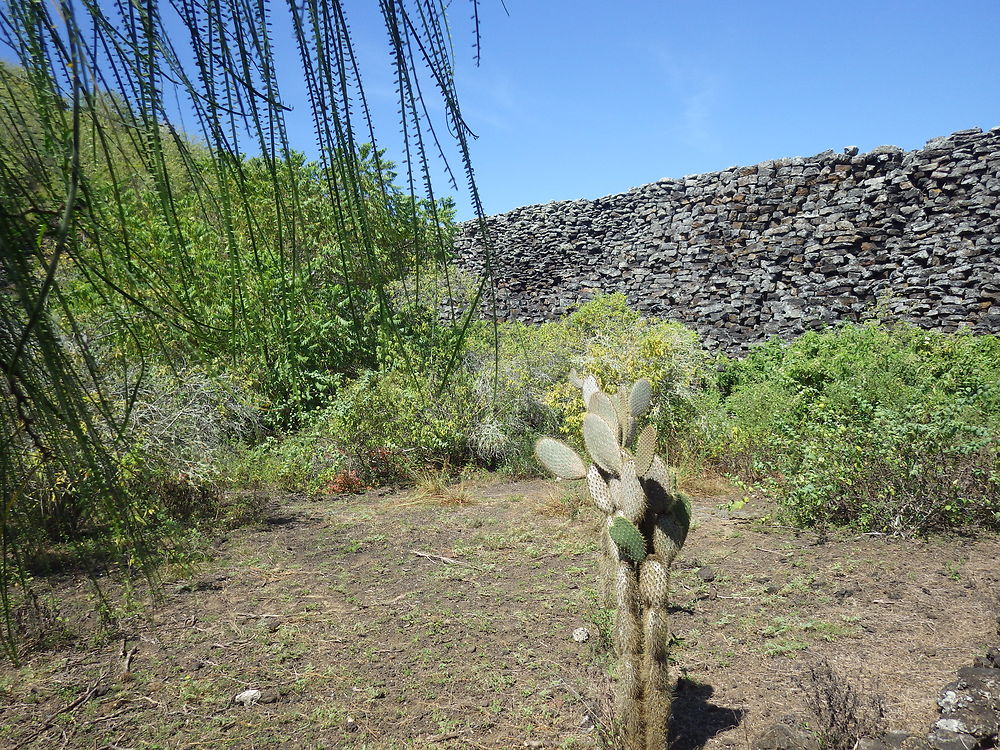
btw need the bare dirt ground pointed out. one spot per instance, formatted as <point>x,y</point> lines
<point>384,621</point>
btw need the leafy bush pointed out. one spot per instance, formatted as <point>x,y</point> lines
<point>510,385</point>
<point>616,344</point>
<point>884,428</point>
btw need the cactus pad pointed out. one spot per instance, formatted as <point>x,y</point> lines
<point>654,582</point>
<point>658,499</point>
<point>600,491</point>
<point>560,459</point>
<point>629,540</point>
<point>600,404</point>
<point>633,502</point>
<point>589,388</point>
<point>658,470</point>
<point>645,449</point>
<point>666,538</point>
<point>602,445</point>
<point>681,513</point>
<point>640,398</point>
<point>620,401</point>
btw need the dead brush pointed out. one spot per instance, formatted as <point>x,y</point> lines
<point>568,503</point>
<point>436,486</point>
<point>841,713</point>
<point>609,732</point>
<point>37,623</point>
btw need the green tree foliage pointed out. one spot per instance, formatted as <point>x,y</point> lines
<point>129,248</point>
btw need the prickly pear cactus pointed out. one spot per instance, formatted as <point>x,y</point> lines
<point>647,520</point>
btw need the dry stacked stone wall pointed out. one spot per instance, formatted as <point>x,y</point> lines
<point>772,249</point>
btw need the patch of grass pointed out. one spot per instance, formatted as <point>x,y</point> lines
<point>437,486</point>
<point>827,631</point>
<point>568,500</point>
<point>953,570</point>
<point>783,647</point>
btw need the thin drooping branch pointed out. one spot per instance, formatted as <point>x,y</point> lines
<point>129,243</point>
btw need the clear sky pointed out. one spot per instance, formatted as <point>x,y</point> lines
<point>579,98</point>
<point>583,98</point>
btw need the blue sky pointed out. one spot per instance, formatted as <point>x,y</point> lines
<point>582,99</point>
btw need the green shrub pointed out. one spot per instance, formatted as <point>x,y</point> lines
<point>510,386</point>
<point>608,339</point>
<point>884,428</point>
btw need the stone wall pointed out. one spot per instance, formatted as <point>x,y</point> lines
<point>772,249</point>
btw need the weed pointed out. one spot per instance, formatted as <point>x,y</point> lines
<point>953,570</point>
<point>841,712</point>
<point>783,647</point>
<point>603,619</point>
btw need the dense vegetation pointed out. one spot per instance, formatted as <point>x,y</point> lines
<point>166,294</point>
<point>881,427</point>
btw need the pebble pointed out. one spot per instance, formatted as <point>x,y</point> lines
<point>247,697</point>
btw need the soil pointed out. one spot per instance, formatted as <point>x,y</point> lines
<point>392,621</point>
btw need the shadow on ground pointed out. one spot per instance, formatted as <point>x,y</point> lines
<point>694,720</point>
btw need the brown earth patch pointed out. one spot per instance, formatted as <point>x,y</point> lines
<point>388,621</point>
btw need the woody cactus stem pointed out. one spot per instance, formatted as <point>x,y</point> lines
<point>646,523</point>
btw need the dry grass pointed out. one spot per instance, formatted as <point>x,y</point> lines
<point>841,712</point>
<point>468,644</point>
<point>706,483</point>
<point>564,500</point>
<point>436,487</point>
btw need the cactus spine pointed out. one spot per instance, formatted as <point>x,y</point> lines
<point>646,523</point>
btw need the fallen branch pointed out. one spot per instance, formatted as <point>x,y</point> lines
<point>442,558</point>
<point>127,657</point>
<point>443,737</point>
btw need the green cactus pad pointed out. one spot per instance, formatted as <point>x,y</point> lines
<point>602,445</point>
<point>575,379</point>
<point>560,459</point>
<point>600,491</point>
<point>629,540</point>
<point>633,499</point>
<point>600,404</point>
<point>640,397</point>
<point>645,450</point>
